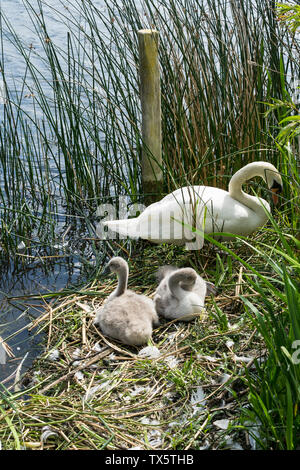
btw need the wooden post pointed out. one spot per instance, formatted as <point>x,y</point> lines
<point>152,175</point>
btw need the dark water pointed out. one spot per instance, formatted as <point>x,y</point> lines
<point>18,312</point>
<point>36,277</point>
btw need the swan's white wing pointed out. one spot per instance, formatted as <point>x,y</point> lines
<point>217,211</point>
<point>167,220</point>
<point>170,219</point>
<point>205,208</point>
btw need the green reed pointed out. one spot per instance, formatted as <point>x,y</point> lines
<point>273,272</point>
<point>80,140</point>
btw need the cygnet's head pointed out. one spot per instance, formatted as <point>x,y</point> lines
<point>187,277</point>
<point>117,264</point>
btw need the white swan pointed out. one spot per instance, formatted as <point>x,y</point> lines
<point>181,293</point>
<point>125,315</point>
<point>205,208</point>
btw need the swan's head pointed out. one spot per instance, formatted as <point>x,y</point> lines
<point>117,264</point>
<point>187,278</point>
<point>265,170</point>
<point>273,180</point>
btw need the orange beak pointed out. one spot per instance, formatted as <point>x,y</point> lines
<point>274,196</point>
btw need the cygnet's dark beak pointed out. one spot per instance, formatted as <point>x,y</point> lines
<point>211,289</point>
<point>106,270</point>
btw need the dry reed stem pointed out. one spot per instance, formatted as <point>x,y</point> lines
<point>67,376</point>
<point>239,282</point>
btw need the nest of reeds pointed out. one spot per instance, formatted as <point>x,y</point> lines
<point>182,391</point>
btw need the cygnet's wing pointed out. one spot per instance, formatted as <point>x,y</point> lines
<point>147,307</point>
<point>98,315</point>
<point>200,287</point>
<point>165,303</point>
<point>204,288</point>
<point>163,299</point>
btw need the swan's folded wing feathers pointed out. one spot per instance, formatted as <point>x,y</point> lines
<point>206,208</point>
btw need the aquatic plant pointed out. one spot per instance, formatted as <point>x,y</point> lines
<point>70,135</point>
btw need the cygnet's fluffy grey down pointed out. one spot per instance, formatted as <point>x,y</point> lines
<point>181,293</point>
<point>125,315</point>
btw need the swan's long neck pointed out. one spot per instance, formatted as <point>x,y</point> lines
<point>235,188</point>
<point>122,281</point>
<point>177,286</point>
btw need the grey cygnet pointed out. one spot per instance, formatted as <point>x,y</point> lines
<point>126,316</point>
<point>181,293</point>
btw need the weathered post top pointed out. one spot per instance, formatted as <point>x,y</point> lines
<point>152,174</point>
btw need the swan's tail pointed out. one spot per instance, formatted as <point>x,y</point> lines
<point>125,227</point>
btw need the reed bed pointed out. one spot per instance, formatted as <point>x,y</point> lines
<point>70,134</point>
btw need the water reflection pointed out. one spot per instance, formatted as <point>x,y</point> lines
<point>18,310</point>
<point>34,274</point>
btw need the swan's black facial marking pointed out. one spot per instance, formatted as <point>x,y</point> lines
<point>275,188</point>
